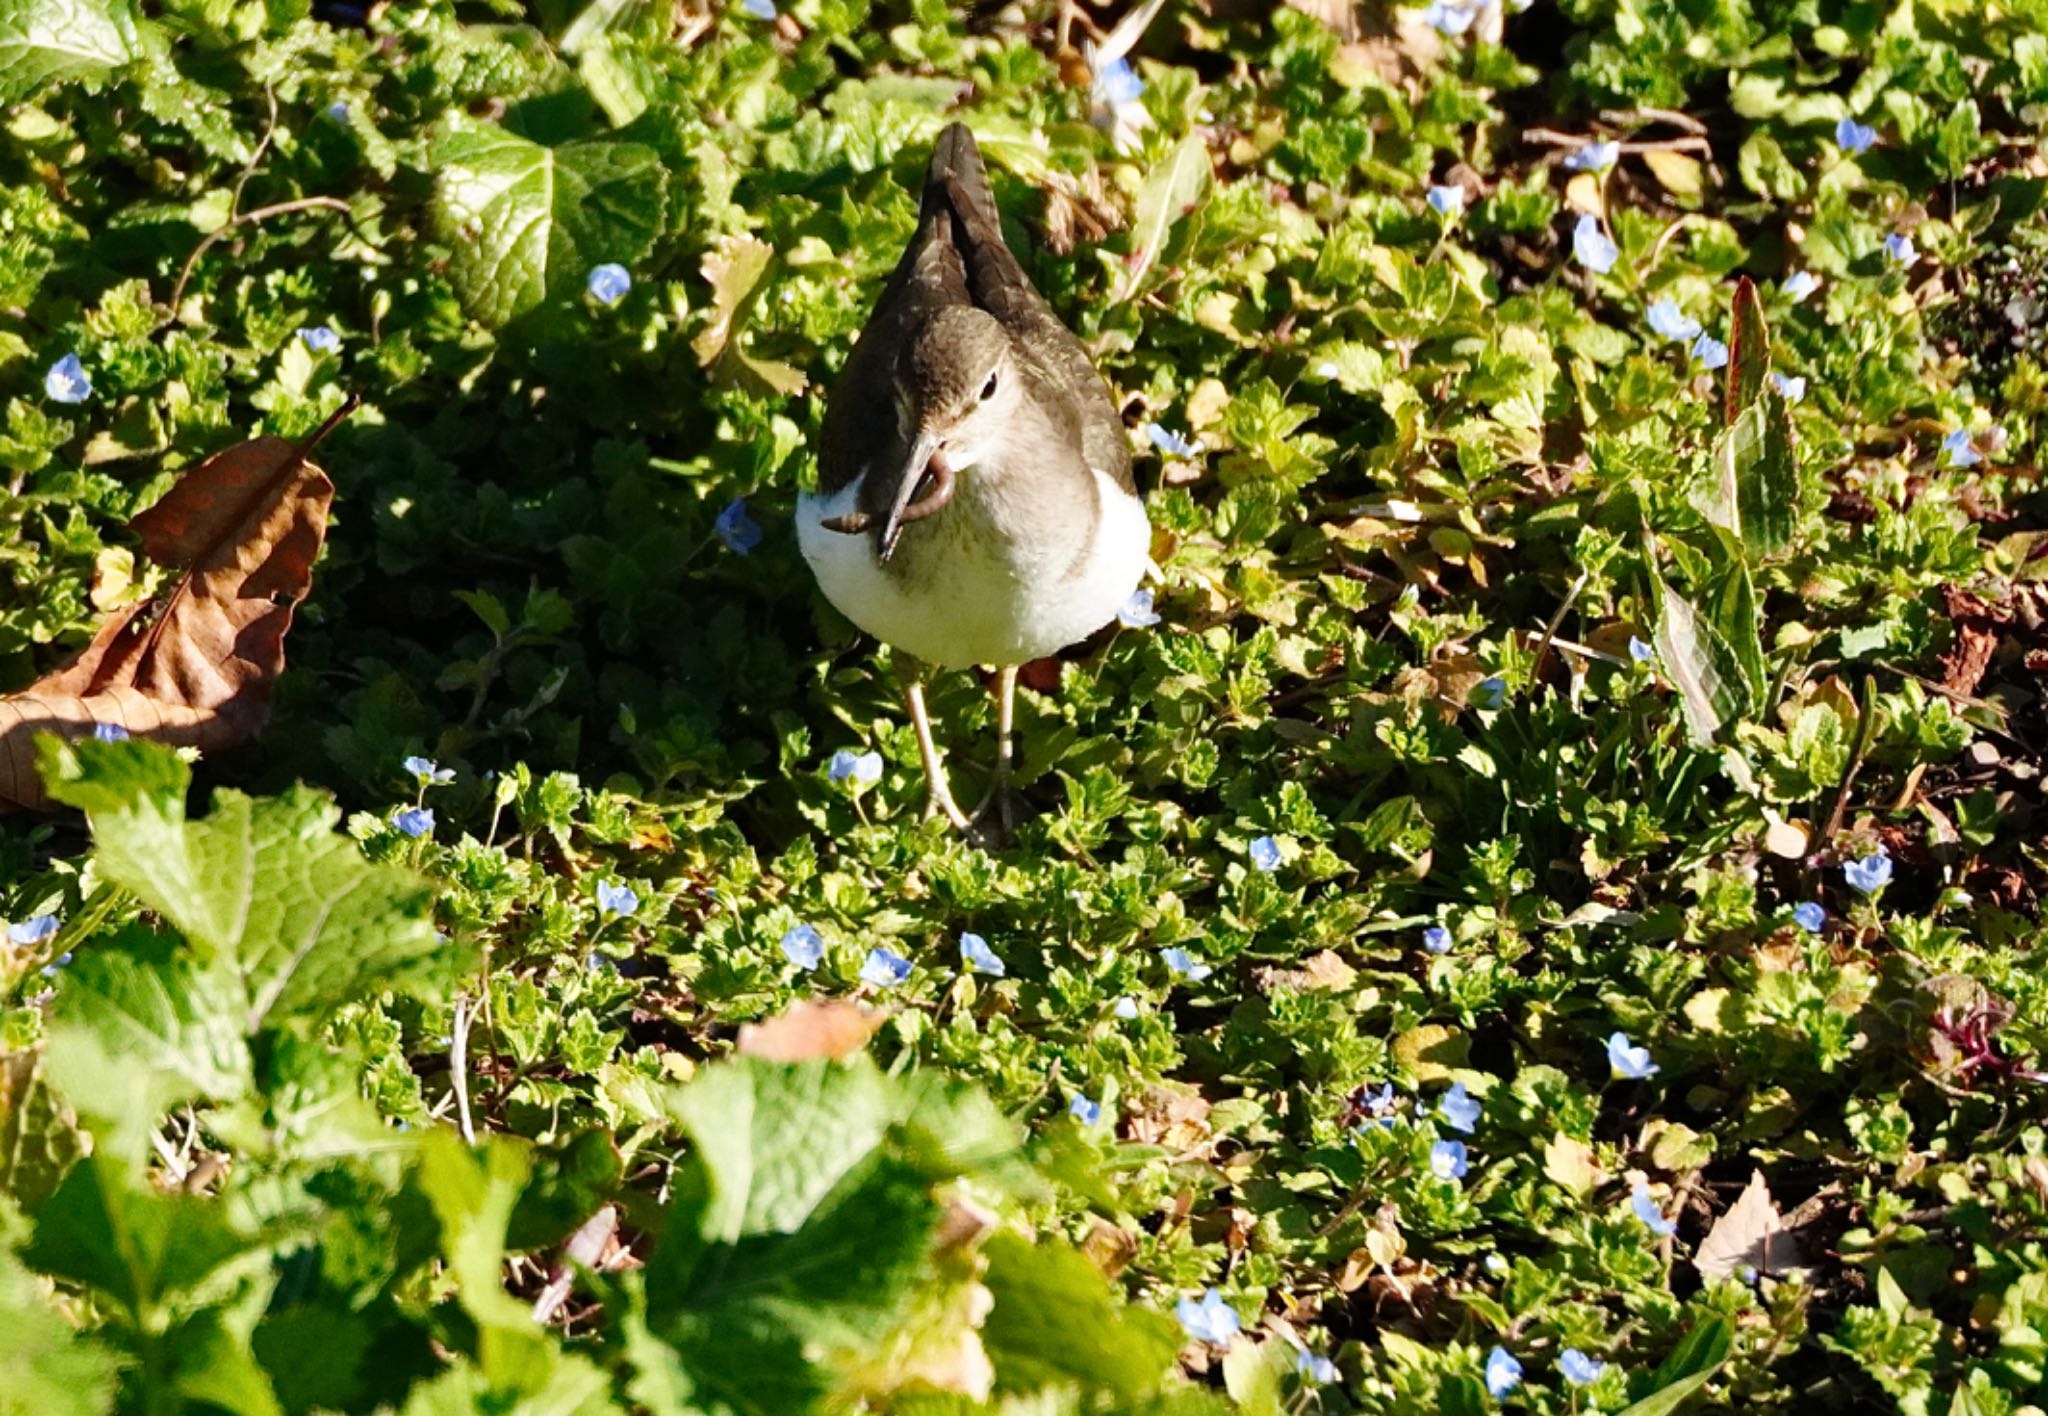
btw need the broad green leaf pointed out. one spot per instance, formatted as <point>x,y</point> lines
<point>1740,626</point>
<point>1173,189</point>
<point>1699,663</point>
<point>525,223</point>
<point>1055,1321</point>
<point>213,1365</point>
<point>473,1193</point>
<point>1689,1367</point>
<point>39,1138</point>
<point>47,41</point>
<point>1752,488</point>
<point>46,1368</point>
<point>548,1383</point>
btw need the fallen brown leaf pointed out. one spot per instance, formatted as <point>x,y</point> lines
<point>834,1028</point>
<point>193,664</point>
<point>1751,1235</point>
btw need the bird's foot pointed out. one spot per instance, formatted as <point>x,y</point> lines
<point>938,801</point>
<point>1000,811</point>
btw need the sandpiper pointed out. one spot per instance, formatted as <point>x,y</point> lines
<point>975,501</point>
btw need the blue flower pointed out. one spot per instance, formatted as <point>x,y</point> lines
<point>427,772</point>
<point>1645,1205</point>
<point>1899,249</point>
<point>860,768</point>
<point>1126,1008</point>
<point>884,968</point>
<point>608,283</point>
<point>338,111</point>
<point>1853,137</point>
<point>758,9</point>
<point>1170,442</point>
<point>1592,247</point>
<point>1503,1372</point>
<point>1790,387</point>
<point>1447,1160</point>
<point>415,821</point>
<point>1437,939</point>
<point>1870,874</point>
<point>1628,1060</point>
<point>1641,652</point>
<point>1184,964</point>
<point>1320,1370</point>
<point>67,381</point>
<point>1810,917</point>
<point>736,528</point>
<point>1459,1108</point>
<point>1578,1368</point>
<point>49,970</point>
<point>1085,1111</point>
<point>1495,1264</point>
<point>1594,157</point>
<point>1958,450</point>
<point>319,338</point>
<point>1446,201</point>
<point>1116,82</point>
<point>615,899</point>
<point>803,946</point>
<point>1265,854</point>
<point>1208,1318</point>
<point>1800,284</point>
<point>109,732</point>
<point>1710,351</point>
<point>1379,1105</point>
<point>979,958</point>
<point>1452,18</point>
<point>1490,693</point>
<point>1137,612</point>
<point>1666,319</point>
<point>33,930</point>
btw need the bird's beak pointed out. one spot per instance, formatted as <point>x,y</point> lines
<point>927,458</point>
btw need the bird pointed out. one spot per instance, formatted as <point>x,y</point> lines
<point>975,502</point>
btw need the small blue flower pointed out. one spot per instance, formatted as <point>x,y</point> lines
<point>67,381</point>
<point>1899,249</point>
<point>1437,939</point>
<point>758,9</point>
<point>1447,1160</point>
<point>1853,137</point>
<point>1126,1008</point>
<point>1645,1206</point>
<point>615,899</point>
<point>319,338</point>
<point>1447,201</point>
<point>49,970</point>
<point>1503,1372</point>
<point>1592,247</point>
<point>1170,442</point>
<point>1790,387</point>
<point>1711,352</point>
<point>1495,1264</point>
<point>1627,1060</point>
<point>427,772</point>
<point>1490,693</point>
<point>1320,1370</point>
<point>1459,1108</point>
<point>1666,319</point>
<point>596,961</point>
<point>415,821</point>
<point>109,732</point>
<point>1085,1111</point>
<point>1578,1368</point>
<point>33,930</point>
<point>1810,917</point>
<point>1800,284</point>
<point>1137,612</point>
<point>803,946</point>
<point>860,768</point>
<point>1116,83</point>
<point>1380,1105</point>
<point>1959,453</point>
<point>1641,652</point>
<point>338,111</point>
<point>608,283</point>
<point>884,968</point>
<point>1870,874</point>
<point>1208,1318</point>
<point>1452,18</point>
<point>1265,854</point>
<point>1185,965</point>
<point>736,528</point>
<point>1594,157</point>
<point>977,957</point>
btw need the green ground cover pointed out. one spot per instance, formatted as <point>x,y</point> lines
<point>1577,767</point>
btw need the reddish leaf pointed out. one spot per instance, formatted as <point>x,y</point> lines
<point>1749,351</point>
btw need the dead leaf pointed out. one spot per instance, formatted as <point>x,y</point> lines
<point>1569,1161</point>
<point>1751,1235</point>
<point>834,1028</point>
<point>193,664</point>
<point>1323,970</point>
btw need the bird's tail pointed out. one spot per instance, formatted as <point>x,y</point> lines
<point>956,182</point>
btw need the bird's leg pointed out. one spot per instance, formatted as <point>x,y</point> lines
<point>938,796</point>
<point>999,794</point>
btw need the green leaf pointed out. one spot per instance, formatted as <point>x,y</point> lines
<point>547,1383</point>
<point>39,1140</point>
<point>525,223</point>
<point>473,1193</point>
<point>1752,488</point>
<point>1175,187</point>
<point>1055,1321</point>
<point>1689,1367</point>
<point>46,1369</point>
<point>1699,662</point>
<point>47,41</point>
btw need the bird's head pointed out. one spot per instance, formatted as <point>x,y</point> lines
<point>960,394</point>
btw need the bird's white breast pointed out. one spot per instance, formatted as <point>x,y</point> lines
<point>975,585</point>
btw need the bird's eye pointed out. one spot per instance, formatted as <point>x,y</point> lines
<point>988,390</point>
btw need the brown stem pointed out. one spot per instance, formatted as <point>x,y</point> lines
<point>207,241</point>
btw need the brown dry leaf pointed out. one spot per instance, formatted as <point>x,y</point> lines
<point>193,664</point>
<point>1173,1117</point>
<point>1752,1235</point>
<point>1323,970</point>
<point>834,1028</point>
